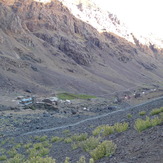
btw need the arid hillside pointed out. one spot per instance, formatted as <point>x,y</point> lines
<point>44,48</point>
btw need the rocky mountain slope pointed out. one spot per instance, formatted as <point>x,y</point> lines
<point>44,48</point>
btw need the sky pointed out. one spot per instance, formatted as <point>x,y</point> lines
<point>141,16</point>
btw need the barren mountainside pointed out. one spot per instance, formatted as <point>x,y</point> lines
<point>44,47</point>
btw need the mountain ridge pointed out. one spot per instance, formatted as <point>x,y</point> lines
<point>43,47</point>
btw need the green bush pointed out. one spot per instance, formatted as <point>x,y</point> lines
<point>38,159</point>
<point>12,152</point>
<point>81,160</point>
<point>90,143</point>
<point>141,124</point>
<point>129,115</point>
<point>79,137</point>
<point>156,111</point>
<point>67,160</point>
<point>56,139</point>
<point>142,113</point>
<point>121,127</point>
<point>18,158</point>
<point>103,130</point>
<point>68,140</point>
<point>106,148</point>
<point>3,157</point>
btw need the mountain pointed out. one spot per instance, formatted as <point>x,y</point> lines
<point>44,47</point>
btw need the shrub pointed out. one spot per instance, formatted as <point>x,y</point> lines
<point>142,113</point>
<point>91,160</point>
<point>3,157</point>
<point>68,140</point>
<point>43,138</point>
<point>67,160</point>
<point>156,111</point>
<point>18,158</point>
<point>121,127</point>
<point>129,115</point>
<point>90,143</point>
<point>38,159</point>
<point>27,146</point>
<point>55,139</point>
<point>104,130</point>
<point>81,160</point>
<point>80,137</point>
<point>12,152</point>
<point>106,148</point>
<point>141,124</point>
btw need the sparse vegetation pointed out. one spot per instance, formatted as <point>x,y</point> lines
<point>70,96</point>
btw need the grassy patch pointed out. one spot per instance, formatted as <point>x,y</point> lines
<point>106,148</point>
<point>70,96</point>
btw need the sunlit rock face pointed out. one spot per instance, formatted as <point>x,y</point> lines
<point>104,21</point>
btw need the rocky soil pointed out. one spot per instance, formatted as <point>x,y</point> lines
<point>132,146</point>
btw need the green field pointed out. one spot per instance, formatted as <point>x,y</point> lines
<point>70,96</point>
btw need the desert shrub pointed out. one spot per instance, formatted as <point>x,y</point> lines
<point>3,157</point>
<point>90,143</point>
<point>129,115</point>
<point>106,148</point>
<point>81,160</point>
<point>141,124</point>
<point>12,152</point>
<point>68,140</point>
<point>18,158</point>
<point>155,121</point>
<point>38,159</point>
<point>142,113</point>
<point>67,160</point>
<point>43,138</point>
<point>91,160</point>
<point>27,146</point>
<point>121,127</point>
<point>55,139</point>
<point>80,137</point>
<point>103,130</point>
<point>156,111</point>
